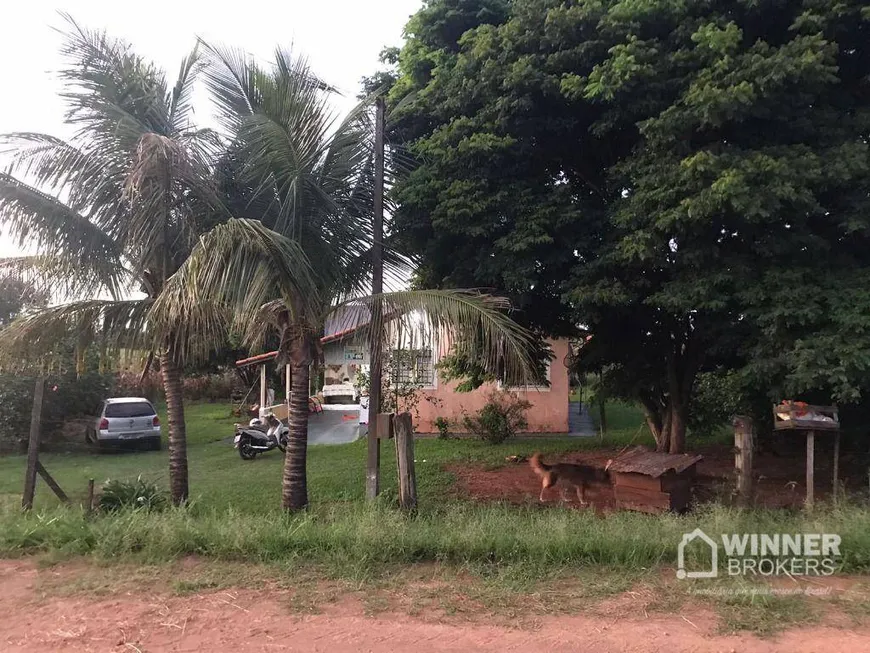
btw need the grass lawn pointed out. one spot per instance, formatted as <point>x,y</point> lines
<point>235,516</point>
<point>219,479</point>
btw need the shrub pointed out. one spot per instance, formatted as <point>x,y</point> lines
<point>131,495</point>
<point>718,396</point>
<point>503,415</point>
<point>65,397</point>
<point>203,387</point>
<point>443,426</point>
<point>210,387</point>
<point>132,384</point>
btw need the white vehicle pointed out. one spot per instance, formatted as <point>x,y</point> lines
<point>124,420</point>
<point>258,437</point>
<point>342,393</point>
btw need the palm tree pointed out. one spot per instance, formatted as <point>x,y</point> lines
<point>301,246</point>
<point>112,212</point>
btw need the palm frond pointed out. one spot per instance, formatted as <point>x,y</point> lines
<point>232,78</point>
<point>180,107</point>
<point>58,232</point>
<point>88,180</point>
<point>64,279</point>
<point>476,322</point>
<point>241,265</point>
<point>113,94</point>
<point>116,324</point>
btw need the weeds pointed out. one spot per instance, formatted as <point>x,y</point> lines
<point>131,495</point>
<point>356,541</point>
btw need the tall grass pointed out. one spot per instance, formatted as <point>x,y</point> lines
<point>357,538</point>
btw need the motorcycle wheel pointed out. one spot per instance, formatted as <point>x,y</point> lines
<point>282,444</point>
<point>245,450</point>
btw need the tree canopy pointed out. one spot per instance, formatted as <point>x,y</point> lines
<point>686,181</point>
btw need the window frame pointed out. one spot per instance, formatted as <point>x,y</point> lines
<point>433,385</point>
<point>531,388</point>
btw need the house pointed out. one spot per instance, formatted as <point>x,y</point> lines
<point>411,361</point>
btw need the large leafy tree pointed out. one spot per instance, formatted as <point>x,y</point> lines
<point>686,180</point>
<point>112,212</point>
<point>300,247</point>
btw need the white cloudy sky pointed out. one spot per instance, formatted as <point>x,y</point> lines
<point>341,38</point>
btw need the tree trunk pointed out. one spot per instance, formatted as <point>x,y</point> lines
<point>664,441</point>
<point>652,411</point>
<point>602,415</point>
<point>173,386</point>
<point>678,428</point>
<point>295,484</point>
<point>654,423</point>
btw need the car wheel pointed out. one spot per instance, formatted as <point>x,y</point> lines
<point>156,445</point>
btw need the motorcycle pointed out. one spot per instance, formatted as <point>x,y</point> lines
<point>257,437</point>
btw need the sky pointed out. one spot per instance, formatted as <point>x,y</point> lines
<point>340,38</point>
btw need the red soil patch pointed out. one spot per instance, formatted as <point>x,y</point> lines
<point>249,621</point>
<point>780,479</point>
<point>515,482</point>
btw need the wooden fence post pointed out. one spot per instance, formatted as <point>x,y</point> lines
<point>404,429</point>
<point>836,467</point>
<point>373,463</point>
<point>602,417</point>
<point>811,464</point>
<point>743,458</point>
<point>89,509</point>
<point>33,445</point>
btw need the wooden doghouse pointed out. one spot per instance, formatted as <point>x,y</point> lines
<point>652,482</point>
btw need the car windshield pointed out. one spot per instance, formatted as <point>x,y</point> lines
<point>131,409</point>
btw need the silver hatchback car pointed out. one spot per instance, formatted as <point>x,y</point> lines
<point>123,420</point>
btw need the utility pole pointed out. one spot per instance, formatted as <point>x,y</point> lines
<point>373,463</point>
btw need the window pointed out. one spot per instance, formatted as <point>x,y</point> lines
<point>408,367</point>
<point>531,386</point>
<point>130,409</point>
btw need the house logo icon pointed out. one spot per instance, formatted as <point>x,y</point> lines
<point>696,534</point>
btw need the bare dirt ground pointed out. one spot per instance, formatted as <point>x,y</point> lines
<point>780,478</point>
<point>143,617</point>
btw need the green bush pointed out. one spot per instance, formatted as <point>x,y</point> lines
<point>131,495</point>
<point>65,396</point>
<point>443,426</point>
<point>503,416</point>
<point>718,396</point>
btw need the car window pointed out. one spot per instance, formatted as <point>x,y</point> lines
<point>132,409</point>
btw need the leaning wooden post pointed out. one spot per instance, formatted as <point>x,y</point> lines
<point>50,482</point>
<point>811,454</point>
<point>836,465</point>
<point>373,460</point>
<point>404,430</point>
<point>33,445</point>
<point>743,458</point>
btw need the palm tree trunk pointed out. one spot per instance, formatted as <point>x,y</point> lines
<point>295,484</point>
<point>173,386</point>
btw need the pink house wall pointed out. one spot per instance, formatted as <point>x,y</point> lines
<point>548,414</point>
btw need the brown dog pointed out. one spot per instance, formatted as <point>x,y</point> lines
<point>569,473</point>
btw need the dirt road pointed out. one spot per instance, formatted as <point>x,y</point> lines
<point>248,620</point>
